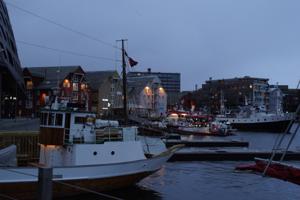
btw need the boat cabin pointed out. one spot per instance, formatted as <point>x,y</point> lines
<point>61,127</point>
<point>66,127</point>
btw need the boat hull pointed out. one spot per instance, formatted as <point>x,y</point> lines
<point>29,190</point>
<point>271,126</point>
<point>22,183</point>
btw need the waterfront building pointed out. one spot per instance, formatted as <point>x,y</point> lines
<point>275,100</point>
<point>106,91</point>
<point>169,81</point>
<point>11,78</point>
<point>232,92</point>
<point>291,98</point>
<point>44,83</point>
<point>146,96</point>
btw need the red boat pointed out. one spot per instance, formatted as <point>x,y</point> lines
<point>276,170</point>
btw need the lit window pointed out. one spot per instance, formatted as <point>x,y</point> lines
<point>66,83</point>
<point>83,86</point>
<point>29,85</point>
<point>75,86</point>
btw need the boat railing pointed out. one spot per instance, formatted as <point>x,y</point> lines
<point>101,135</point>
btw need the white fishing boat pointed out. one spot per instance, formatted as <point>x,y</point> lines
<point>82,155</point>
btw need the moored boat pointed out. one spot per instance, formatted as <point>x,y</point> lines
<point>250,119</point>
<point>82,155</point>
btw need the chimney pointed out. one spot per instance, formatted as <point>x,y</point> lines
<point>149,70</point>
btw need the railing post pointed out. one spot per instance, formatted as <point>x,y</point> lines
<point>45,183</point>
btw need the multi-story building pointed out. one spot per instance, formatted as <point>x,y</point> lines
<point>291,98</point>
<point>106,91</point>
<point>275,100</point>
<point>232,93</point>
<point>11,78</point>
<point>169,81</point>
<point>146,96</point>
<point>43,84</point>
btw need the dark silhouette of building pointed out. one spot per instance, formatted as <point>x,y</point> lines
<point>169,81</point>
<point>11,79</point>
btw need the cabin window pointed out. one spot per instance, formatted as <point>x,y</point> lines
<point>51,119</point>
<point>79,120</point>
<point>58,119</point>
<point>44,118</point>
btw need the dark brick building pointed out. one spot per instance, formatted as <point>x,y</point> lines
<point>235,92</point>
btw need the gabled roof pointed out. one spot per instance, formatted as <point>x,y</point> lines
<point>136,84</point>
<point>52,75</point>
<point>97,78</point>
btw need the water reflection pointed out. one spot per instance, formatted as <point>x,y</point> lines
<point>136,192</point>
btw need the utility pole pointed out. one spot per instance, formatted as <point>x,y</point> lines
<point>124,82</point>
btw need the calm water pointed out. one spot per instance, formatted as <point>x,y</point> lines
<point>212,180</point>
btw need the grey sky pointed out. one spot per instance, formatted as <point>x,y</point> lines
<point>198,38</point>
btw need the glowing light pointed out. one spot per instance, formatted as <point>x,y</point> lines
<point>83,86</point>
<point>66,83</point>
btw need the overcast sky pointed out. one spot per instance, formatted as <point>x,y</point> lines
<point>197,38</point>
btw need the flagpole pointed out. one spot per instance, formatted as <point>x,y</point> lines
<point>124,82</point>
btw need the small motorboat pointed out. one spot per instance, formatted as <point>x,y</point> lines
<point>275,169</point>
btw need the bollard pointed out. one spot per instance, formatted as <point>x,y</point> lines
<point>45,184</point>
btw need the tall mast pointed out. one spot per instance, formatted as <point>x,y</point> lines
<point>124,83</point>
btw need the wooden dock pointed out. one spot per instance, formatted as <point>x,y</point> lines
<point>223,155</point>
<point>170,143</point>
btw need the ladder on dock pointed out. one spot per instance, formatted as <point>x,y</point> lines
<point>278,142</point>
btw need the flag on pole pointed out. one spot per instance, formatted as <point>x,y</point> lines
<point>131,61</point>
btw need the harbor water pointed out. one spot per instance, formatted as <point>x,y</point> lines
<point>212,180</point>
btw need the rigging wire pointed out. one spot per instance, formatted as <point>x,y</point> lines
<point>62,183</point>
<point>62,26</point>
<point>66,51</point>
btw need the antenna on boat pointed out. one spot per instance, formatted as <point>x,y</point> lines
<point>124,82</point>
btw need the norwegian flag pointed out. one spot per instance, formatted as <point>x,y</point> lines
<point>132,62</point>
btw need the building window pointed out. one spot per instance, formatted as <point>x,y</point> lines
<point>75,96</point>
<point>66,83</point>
<point>10,58</point>
<point>28,102</point>
<point>29,85</point>
<point>75,87</point>
<point>83,86</point>
<point>77,78</point>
